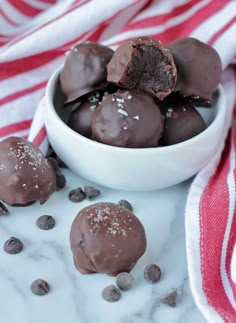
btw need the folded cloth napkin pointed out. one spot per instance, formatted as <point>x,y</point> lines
<point>34,36</point>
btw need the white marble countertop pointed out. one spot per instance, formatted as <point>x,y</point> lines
<point>76,298</point>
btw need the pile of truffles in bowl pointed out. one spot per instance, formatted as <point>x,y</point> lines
<point>142,117</point>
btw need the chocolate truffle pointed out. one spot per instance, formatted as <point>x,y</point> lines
<point>128,119</point>
<point>84,69</point>
<point>199,69</point>
<point>143,64</point>
<point>182,122</point>
<point>81,118</point>
<point>26,175</point>
<point>106,238</point>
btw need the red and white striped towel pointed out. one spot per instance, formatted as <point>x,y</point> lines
<point>35,34</point>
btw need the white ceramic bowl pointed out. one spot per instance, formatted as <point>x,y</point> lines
<point>132,168</point>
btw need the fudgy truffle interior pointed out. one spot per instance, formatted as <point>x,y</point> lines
<point>146,70</point>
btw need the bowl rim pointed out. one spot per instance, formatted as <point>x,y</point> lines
<point>49,105</point>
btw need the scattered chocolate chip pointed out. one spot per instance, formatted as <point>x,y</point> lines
<point>111,293</point>
<point>77,195</point>
<point>152,273</point>
<point>169,299</point>
<point>54,163</point>
<point>40,287</point>
<point>124,281</point>
<point>60,180</point>
<point>126,204</point>
<point>51,153</point>
<point>45,222</point>
<point>13,246</point>
<point>91,192</point>
<point>3,209</point>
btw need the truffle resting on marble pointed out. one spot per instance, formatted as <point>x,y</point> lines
<point>85,69</point>
<point>128,118</point>
<point>26,175</point>
<point>106,238</point>
<point>143,64</point>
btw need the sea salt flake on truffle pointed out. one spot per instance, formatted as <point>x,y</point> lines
<point>92,99</point>
<point>120,100</point>
<point>106,234</point>
<point>169,113</point>
<point>125,113</point>
<point>136,117</point>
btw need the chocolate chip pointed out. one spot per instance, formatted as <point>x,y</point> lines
<point>54,163</point>
<point>51,153</point>
<point>152,273</point>
<point>124,281</point>
<point>13,246</point>
<point>91,192</point>
<point>111,293</point>
<point>170,298</point>
<point>125,204</point>
<point>77,195</point>
<point>45,222</point>
<point>3,209</point>
<point>60,180</point>
<point>40,287</point>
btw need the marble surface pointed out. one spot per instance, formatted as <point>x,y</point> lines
<point>76,298</point>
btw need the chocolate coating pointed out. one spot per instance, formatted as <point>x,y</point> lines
<point>199,69</point>
<point>26,175</point>
<point>128,119</point>
<point>81,118</point>
<point>84,69</point>
<point>143,64</point>
<point>182,122</point>
<point>106,238</point>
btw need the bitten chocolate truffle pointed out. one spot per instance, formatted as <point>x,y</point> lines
<point>128,119</point>
<point>199,69</point>
<point>145,65</point>
<point>106,238</point>
<point>85,69</point>
<point>182,122</point>
<point>26,175</point>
